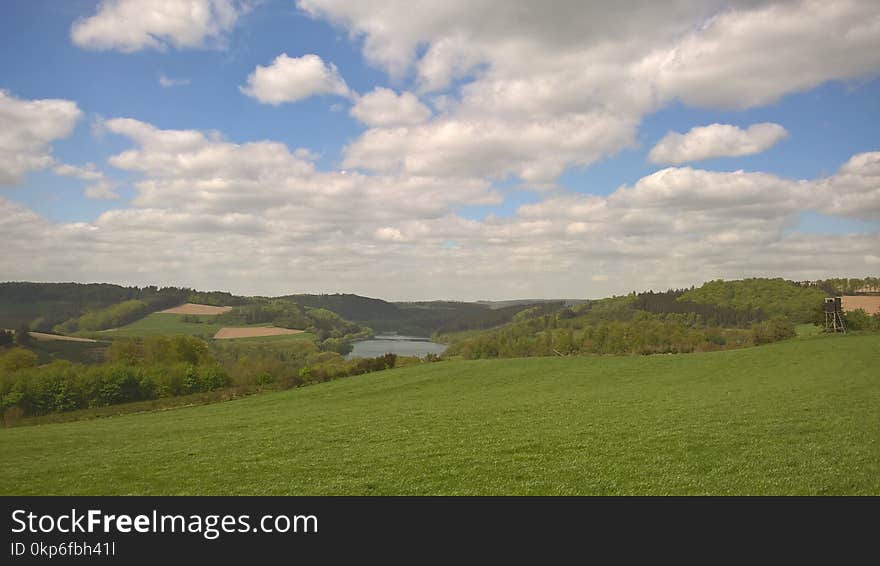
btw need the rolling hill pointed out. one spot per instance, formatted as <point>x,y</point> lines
<point>796,417</point>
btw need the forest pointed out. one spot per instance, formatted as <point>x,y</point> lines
<point>717,315</point>
<point>422,318</point>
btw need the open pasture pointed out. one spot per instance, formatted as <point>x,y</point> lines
<point>796,417</point>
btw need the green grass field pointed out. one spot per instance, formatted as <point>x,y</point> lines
<point>798,417</point>
<point>804,330</point>
<point>159,324</point>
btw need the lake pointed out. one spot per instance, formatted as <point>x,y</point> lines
<point>395,344</point>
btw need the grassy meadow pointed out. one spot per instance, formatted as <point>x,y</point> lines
<point>796,417</point>
<point>163,324</point>
<point>167,324</point>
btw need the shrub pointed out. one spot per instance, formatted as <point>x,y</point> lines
<point>773,330</point>
<point>16,359</point>
<point>213,377</point>
<point>265,378</point>
<point>860,320</point>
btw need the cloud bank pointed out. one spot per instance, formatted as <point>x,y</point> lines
<point>259,217</point>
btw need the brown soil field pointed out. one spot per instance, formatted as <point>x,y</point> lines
<point>193,308</point>
<point>44,336</point>
<point>252,332</point>
<point>871,304</point>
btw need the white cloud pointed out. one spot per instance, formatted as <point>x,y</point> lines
<point>102,190</point>
<point>389,234</point>
<point>166,82</point>
<point>518,90</point>
<point>86,173</point>
<point>854,190</point>
<point>537,152</point>
<point>529,91</point>
<point>716,140</point>
<point>753,56</point>
<point>100,187</point>
<point>27,130</point>
<point>188,169</point>
<point>383,107</point>
<point>134,25</point>
<point>260,218</point>
<point>290,79</point>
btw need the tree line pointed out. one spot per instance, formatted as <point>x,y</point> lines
<point>160,367</point>
<point>645,323</point>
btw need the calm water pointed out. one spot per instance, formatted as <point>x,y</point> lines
<point>395,344</point>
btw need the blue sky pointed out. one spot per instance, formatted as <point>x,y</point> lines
<point>827,123</point>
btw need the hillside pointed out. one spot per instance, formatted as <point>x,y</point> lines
<point>797,417</point>
<point>43,305</point>
<point>422,318</point>
<point>72,307</point>
<point>772,296</point>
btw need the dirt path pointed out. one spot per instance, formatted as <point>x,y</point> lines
<point>43,336</point>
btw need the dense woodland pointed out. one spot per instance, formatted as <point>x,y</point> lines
<point>843,286</point>
<point>72,307</point>
<point>417,318</point>
<point>717,315</point>
<point>612,326</point>
<point>774,297</point>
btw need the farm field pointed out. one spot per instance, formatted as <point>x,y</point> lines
<point>164,324</point>
<point>796,417</point>
<point>233,332</point>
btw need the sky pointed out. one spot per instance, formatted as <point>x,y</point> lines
<point>438,149</point>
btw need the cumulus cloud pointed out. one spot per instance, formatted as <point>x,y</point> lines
<point>854,190</point>
<point>99,188</point>
<point>746,57</point>
<point>134,25</point>
<point>290,79</point>
<point>259,217</point>
<point>518,90</point>
<point>537,152</point>
<point>27,130</point>
<point>716,140</point>
<point>200,171</point>
<point>530,91</point>
<point>383,107</point>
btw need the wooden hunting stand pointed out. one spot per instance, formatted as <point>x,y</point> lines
<point>834,321</point>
